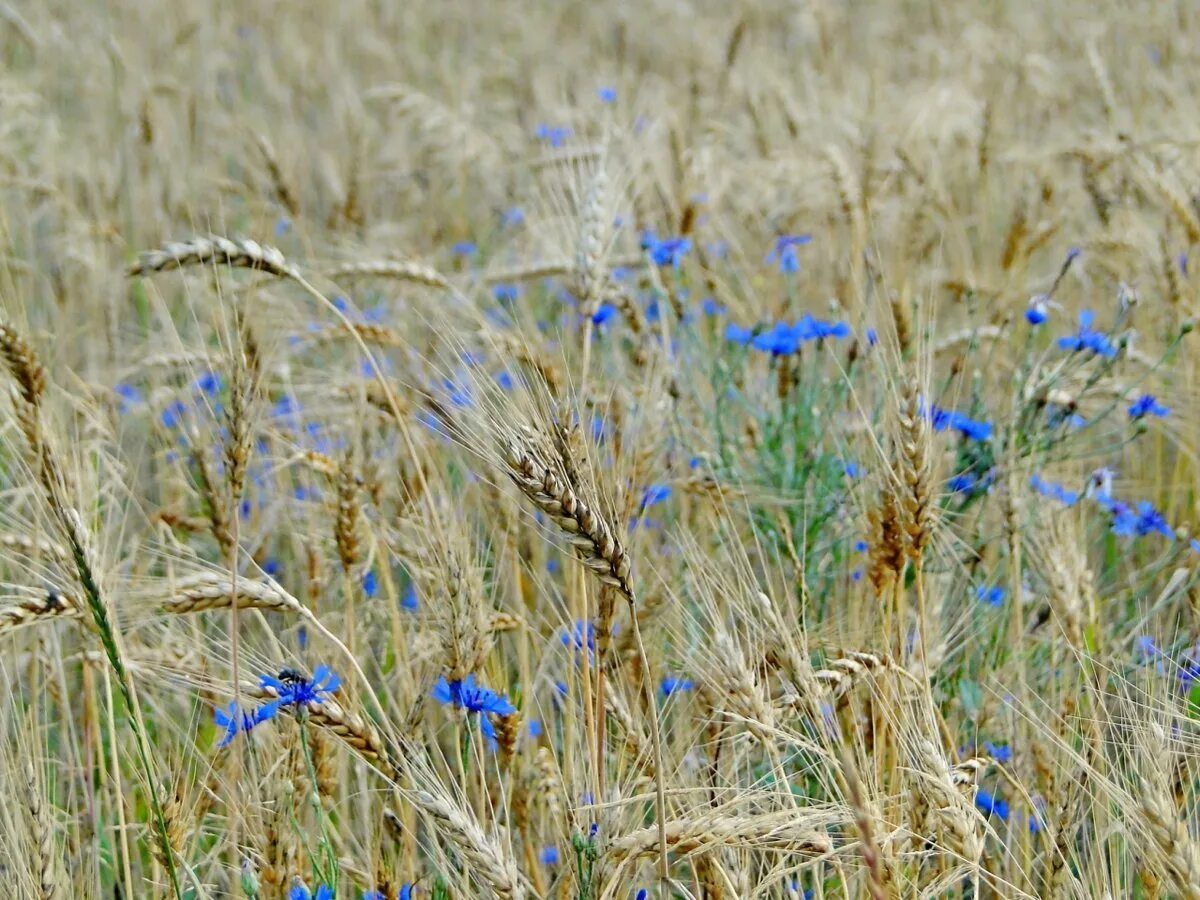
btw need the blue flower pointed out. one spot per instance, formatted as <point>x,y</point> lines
<point>872,337</point>
<point>209,383</point>
<point>506,292</point>
<point>1054,490</point>
<point>810,329</point>
<point>513,216</point>
<point>295,690</point>
<point>1002,753</point>
<point>992,596</point>
<point>549,856</point>
<point>861,546</point>
<point>642,894</point>
<point>1151,521</point>
<point>851,469</point>
<point>668,251</point>
<point>655,494</point>
<point>1038,309</point>
<point>784,252</point>
<point>409,600</point>
<point>173,414</point>
<point>300,892</point>
<point>535,728</point>
<point>555,136</point>
<point>464,248</point>
<point>505,381</point>
<point>370,583</point>
<point>607,94</point>
<point>962,484</point>
<point>227,718</point>
<point>603,314</point>
<point>780,340</point>
<point>474,698</point>
<point>945,420</point>
<point>583,636</point>
<point>989,805</point>
<point>1088,338</point>
<point>671,685</point>
<point>738,334</point>
<point>130,397</point>
<point>1148,405</point>
<point>711,307</point>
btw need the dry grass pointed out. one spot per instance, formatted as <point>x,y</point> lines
<point>454,518</point>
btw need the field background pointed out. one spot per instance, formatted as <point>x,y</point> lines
<point>461,349</point>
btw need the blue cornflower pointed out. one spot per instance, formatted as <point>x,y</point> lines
<point>655,494</point>
<point>603,313</point>
<point>738,334</point>
<point>711,307</point>
<point>464,248</point>
<point>1002,753</point>
<point>607,94</point>
<point>946,419</point>
<point>535,728</point>
<point>286,407</point>
<point>1057,491</point>
<point>407,890</point>
<point>583,636</point>
<point>555,136</point>
<point>505,381</point>
<point>992,596</point>
<point>173,414</point>
<point>872,337</point>
<point>474,698</point>
<point>642,894</point>
<point>962,484</point>
<point>549,856</point>
<point>227,718</point>
<point>1148,405</point>
<point>672,685</point>
<point>851,469</point>
<point>861,546</point>
<point>282,226</point>
<point>666,252</point>
<point>130,397</point>
<point>296,690</point>
<point>1087,338</point>
<point>209,383</point>
<point>670,252</point>
<point>1151,521</point>
<point>779,340</point>
<point>1124,522</point>
<point>506,292</point>
<point>370,583</point>
<point>513,216</point>
<point>1038,310</point>
<point>409,600</point>
<point>784,252</point>
<point>989,805</point>
<point>810,329</point>
<point>300,892</point>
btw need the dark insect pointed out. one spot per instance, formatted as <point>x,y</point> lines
<point>54,600</point>
<point>292,676</point>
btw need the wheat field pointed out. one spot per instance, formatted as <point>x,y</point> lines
<point>599,451</point>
